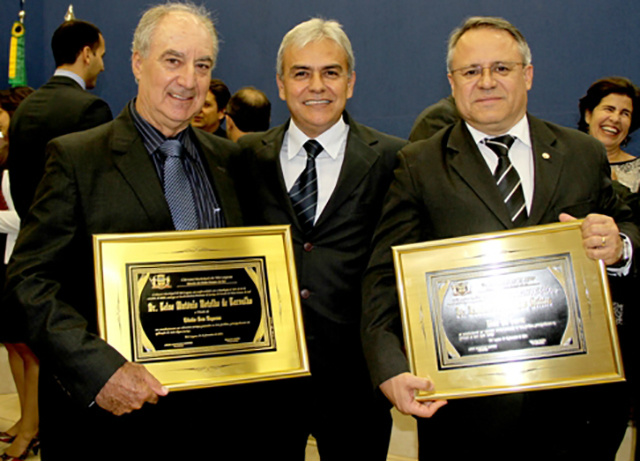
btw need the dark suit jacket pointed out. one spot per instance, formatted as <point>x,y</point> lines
<point>59,107</point>
<point>443,188</point>
<point>97,181</point>
<point>331,259</point>
<point>434,118</point>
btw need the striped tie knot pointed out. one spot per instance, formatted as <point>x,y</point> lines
<point>313,148</point>
<point>500,144</point>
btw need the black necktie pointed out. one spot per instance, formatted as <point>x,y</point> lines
<point>177,189</point>
<point>508,180</point>
<point>304,193</point>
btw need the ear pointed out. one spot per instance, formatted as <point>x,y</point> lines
<point>86,54</point>
<point>587,117</point>
<point>136,65</point>
<point>230,124</point>
<point>528,76</point>
<point>450,78</point>
<point>221,114</point>
<point>281,91</point>
<point>351,83</point>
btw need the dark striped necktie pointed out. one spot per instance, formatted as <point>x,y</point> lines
<point>177,189</point>
<point>508,180</point>
<point>304,193</point>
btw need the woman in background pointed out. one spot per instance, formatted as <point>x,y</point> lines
<point>23,435</point>
<point>606,113</point>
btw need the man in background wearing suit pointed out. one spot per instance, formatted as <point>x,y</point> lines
<point>60,106</point>
<point>434,118</point>
<point>112,179</point>
<point>326,175</point>
<point>445,187</point>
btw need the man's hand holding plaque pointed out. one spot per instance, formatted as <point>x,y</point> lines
<point>600,237</point>
<point>401,392</point>
<point>129,388</point>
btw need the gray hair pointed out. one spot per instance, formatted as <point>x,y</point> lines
<point>152,17</point>
<point>314,30</point>
<point>488,22</point>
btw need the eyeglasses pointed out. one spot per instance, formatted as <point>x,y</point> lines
<point>497,69</point>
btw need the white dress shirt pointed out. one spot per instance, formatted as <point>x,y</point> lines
<point>293,158</point>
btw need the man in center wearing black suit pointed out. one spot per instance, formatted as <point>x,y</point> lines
<point>332,218</point>
<point>119,178</point>
<point>61,106</point>
<point>448,186</point>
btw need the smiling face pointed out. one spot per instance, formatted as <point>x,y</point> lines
<point>492,103</point>
<point>316,84</point>
<point>209,118</point>
<point>610,120</point>
<point>173,80</point>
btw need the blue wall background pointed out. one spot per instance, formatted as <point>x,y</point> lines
<point>400,48</point>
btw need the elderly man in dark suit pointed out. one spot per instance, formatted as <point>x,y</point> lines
<point>61,106</point>
<point>124,176</point>
<point>326,175</point>
<point>447,186</point>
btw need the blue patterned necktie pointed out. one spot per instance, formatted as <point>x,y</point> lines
<point>177,189</point>
<point>304,193</point>
<point>508,180</point>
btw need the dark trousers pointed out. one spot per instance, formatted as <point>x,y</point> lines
<point>199,424</point>
<point>337,404</point>
<point>566,424</point>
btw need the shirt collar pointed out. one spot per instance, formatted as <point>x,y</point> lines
<point>152,137</point>
<point>520,131</point>
<point>72,75</point>
<point>331,140</point>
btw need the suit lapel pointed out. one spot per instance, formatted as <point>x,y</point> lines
<point>270,170</point>
<point>359,157</point>
<point>467,161</point>
<point>222,183</point>
<point>135,165</point>
<point>548,162</point>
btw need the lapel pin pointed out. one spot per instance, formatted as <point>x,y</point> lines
<point>546,156</point>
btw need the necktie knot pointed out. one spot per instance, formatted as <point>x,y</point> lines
<point>171,148</point>
<point>500,144</point>
<point>313,148</point>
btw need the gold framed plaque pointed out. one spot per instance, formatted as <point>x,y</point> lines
<point>203,308</point>
<point>506,312</point>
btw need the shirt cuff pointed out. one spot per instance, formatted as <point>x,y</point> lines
<point>625,262</point>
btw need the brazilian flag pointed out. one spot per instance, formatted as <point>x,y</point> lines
<point>17,68</point>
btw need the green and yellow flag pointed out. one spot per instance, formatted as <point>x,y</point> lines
<point>17,68</point>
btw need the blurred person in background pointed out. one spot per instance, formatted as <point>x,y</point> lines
<point>248,111</point>
<point>22,436</point>
<point>606,113</point>
<point>211,116</point>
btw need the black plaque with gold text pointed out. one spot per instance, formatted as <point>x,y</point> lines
<point>203,308</point>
